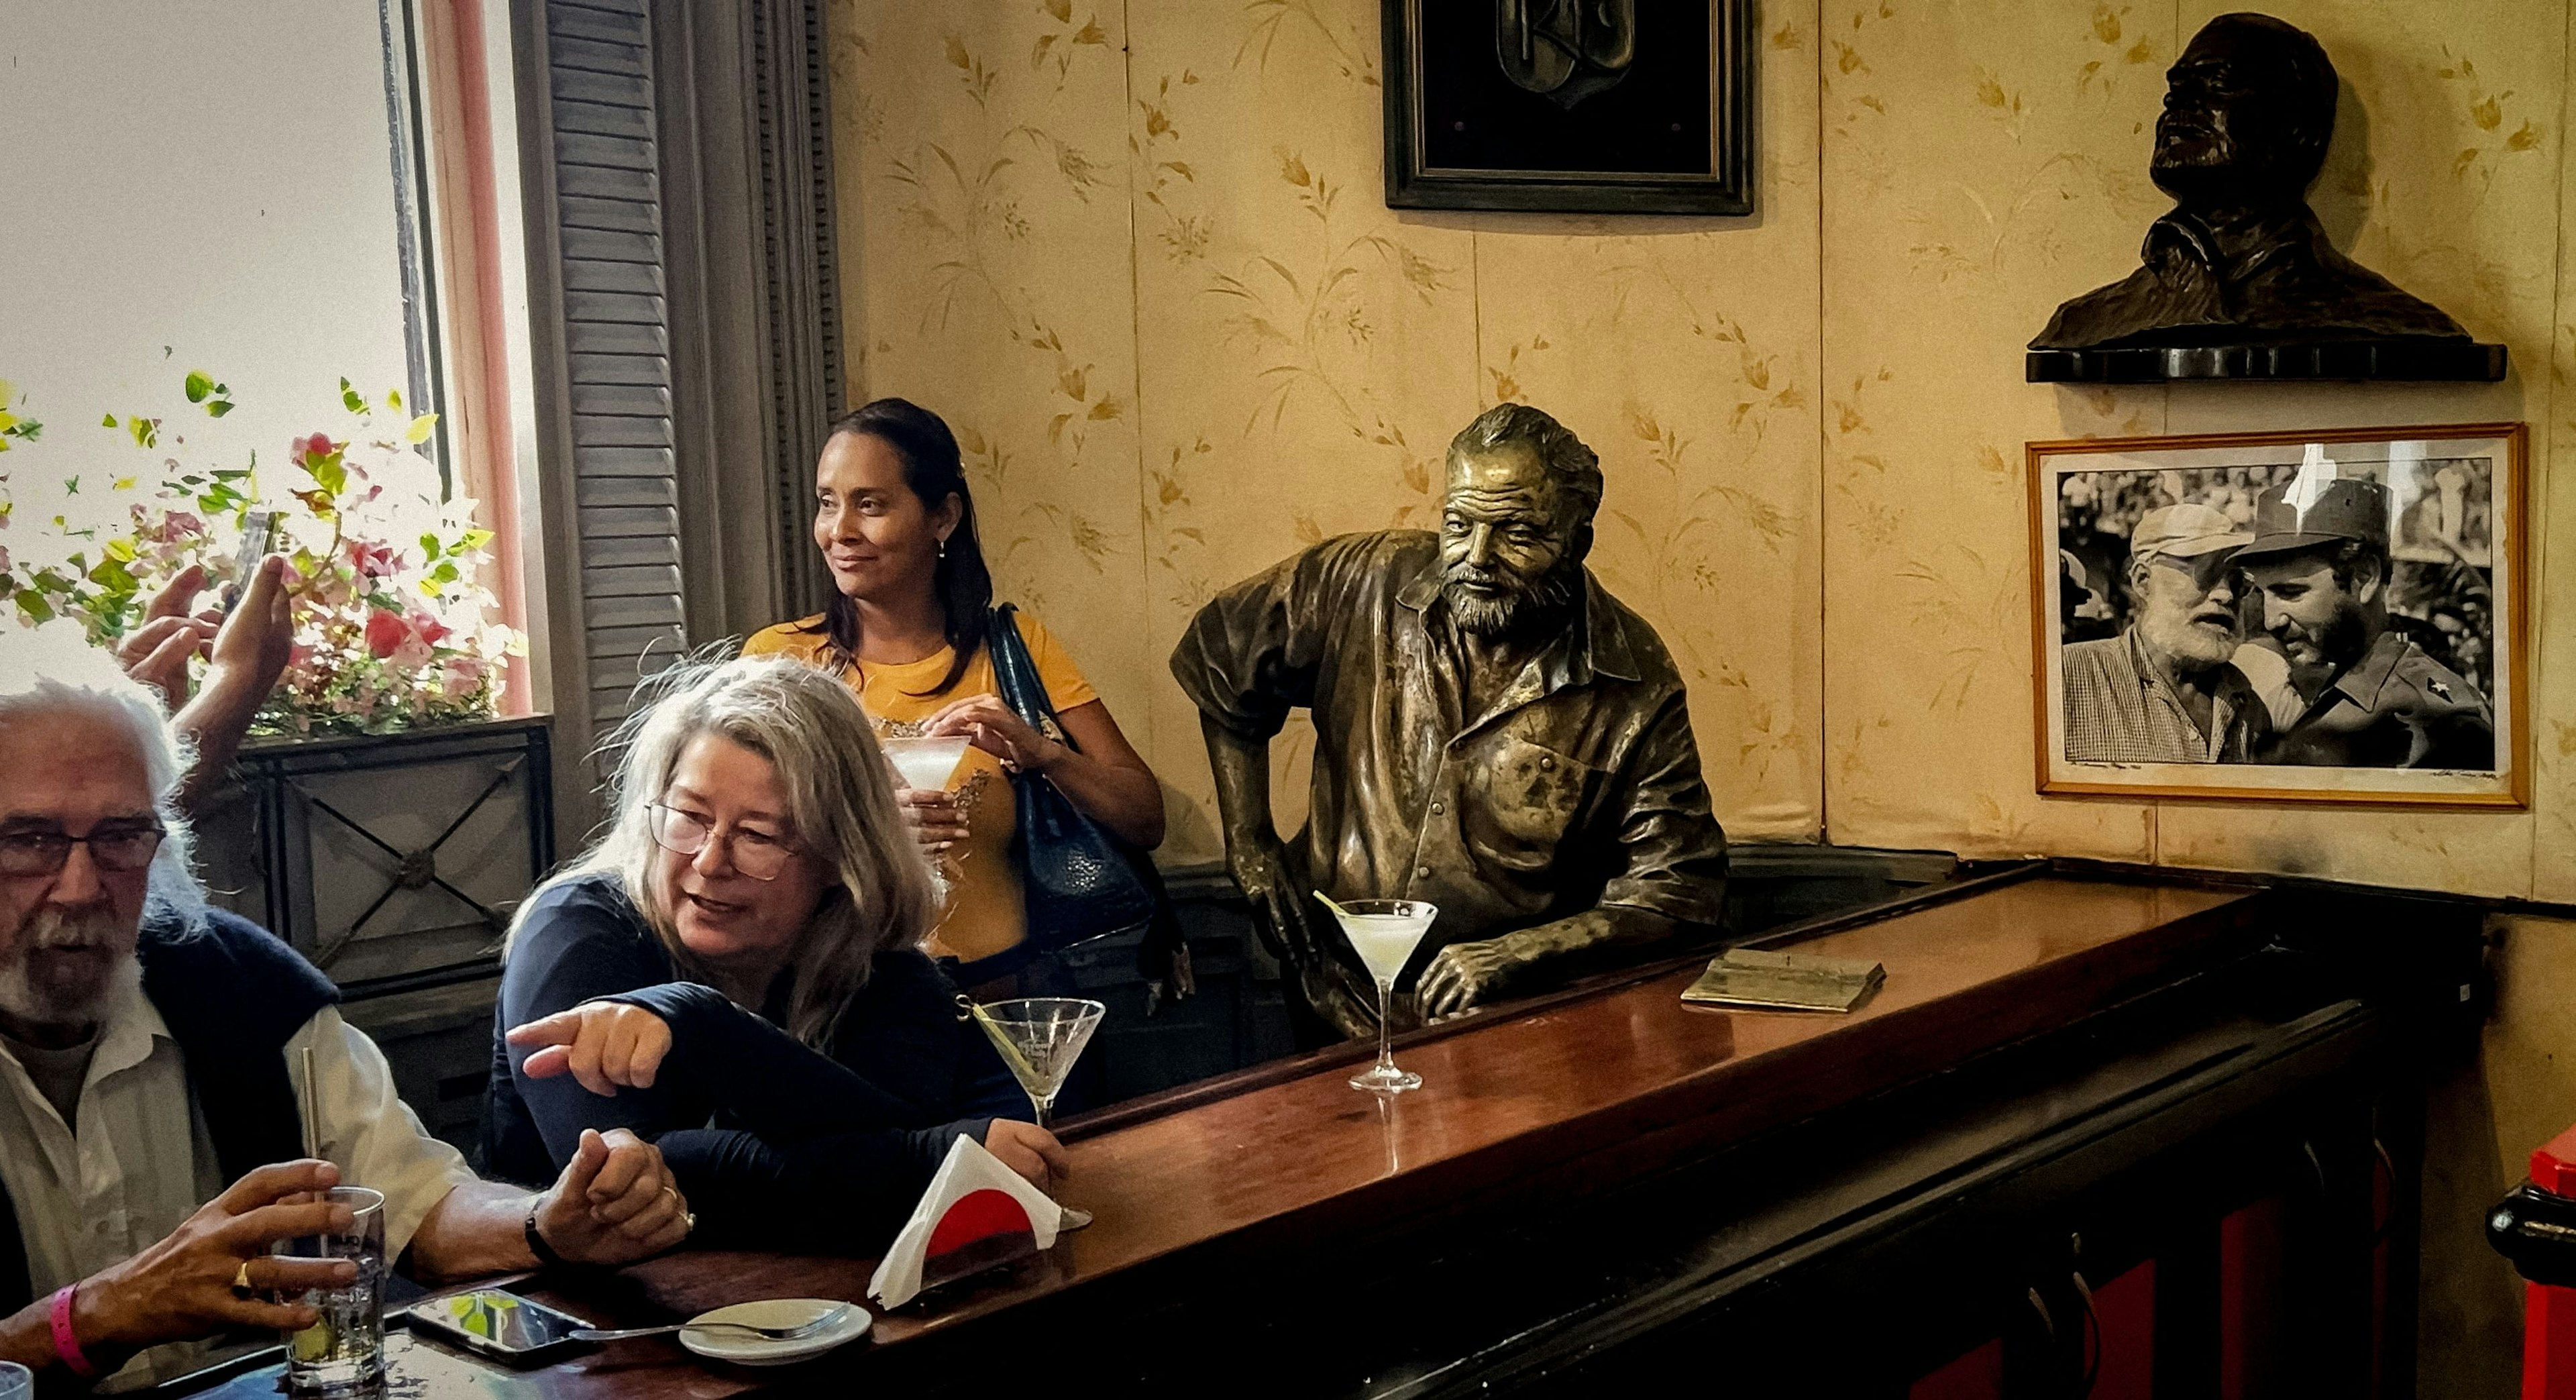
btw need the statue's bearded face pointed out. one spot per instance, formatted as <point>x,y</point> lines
<point>1511,541</point>
<point>2230,131</point>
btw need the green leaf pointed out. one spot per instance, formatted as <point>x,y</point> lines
<point>146,431</point>
<point>228,474</point>
<point>471,541</point>
<point>120,549</point>
<point>328,473</point>
<point>393,399</point>
<point>219,408</point>
<point>33,604</point>
<point>419,430</point>
<point>445,572</point>
<point>429,546</point>
<point>108,422</point>
<point>349,398</point>
<point>199,386</point>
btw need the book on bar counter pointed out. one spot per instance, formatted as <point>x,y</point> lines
<point>1759,980</point>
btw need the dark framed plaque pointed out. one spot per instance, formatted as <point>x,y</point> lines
<point>1584,106</point>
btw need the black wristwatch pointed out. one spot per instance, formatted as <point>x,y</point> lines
<point>546,1256</point>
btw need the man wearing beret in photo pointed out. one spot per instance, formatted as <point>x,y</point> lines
<point>2374,698</point>
<point>2164,691</point>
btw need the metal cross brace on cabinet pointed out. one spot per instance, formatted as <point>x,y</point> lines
<point>474,781</point>
<point>414,870</point>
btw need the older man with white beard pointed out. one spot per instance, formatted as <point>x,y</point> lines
<point>2165,690</point>
<point>151,1050</point>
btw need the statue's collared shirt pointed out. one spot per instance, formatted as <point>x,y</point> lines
<point>2396,707</point>
<point>1578,787</point>
<point>2267,276</point>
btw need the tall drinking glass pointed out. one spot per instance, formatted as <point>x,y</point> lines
<point>16,1381</point>
<point>1384,932</point>
<point>342,1354</point>
<point>1040,1038</point>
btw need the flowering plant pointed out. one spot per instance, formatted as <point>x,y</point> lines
<point>393,626</point>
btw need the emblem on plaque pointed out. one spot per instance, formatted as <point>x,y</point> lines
<point>1565,50</point>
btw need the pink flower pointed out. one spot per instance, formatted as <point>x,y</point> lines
<point>385,632</point>
<point>318,445</point>
<point>373,560</point>
<point>431,630</point>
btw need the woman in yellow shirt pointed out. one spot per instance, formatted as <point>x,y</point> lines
<point>907,629</point>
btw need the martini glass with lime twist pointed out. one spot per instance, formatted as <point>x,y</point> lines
<point>1384,932</point>
<point>1040,1038</point>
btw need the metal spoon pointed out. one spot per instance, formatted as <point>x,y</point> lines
<point>775,1334</point>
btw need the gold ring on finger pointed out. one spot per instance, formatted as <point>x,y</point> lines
<point>241,1281</point>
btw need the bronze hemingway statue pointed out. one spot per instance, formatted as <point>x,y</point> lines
<point>2241,259</point>
<point>1494,733</point>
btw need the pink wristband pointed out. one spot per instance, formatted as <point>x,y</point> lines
<point>67,1346</point>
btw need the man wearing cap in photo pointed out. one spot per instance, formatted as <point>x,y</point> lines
<point>2163,691</point>
<point>2375,699</point>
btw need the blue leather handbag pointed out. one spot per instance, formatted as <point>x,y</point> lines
<point>1079,881</point>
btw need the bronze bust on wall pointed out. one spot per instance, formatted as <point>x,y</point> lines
<point>2238,280</point>
<point>1494,733</point>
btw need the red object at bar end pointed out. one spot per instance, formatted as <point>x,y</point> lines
<point>2553,1166</point>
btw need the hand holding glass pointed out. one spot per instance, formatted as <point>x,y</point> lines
<point>343,1353</point>
<point>1040,1038</point>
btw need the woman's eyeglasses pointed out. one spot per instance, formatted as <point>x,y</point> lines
<point>753,853</point>
<point>120,849</point>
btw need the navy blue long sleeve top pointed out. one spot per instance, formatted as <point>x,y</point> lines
<point>777,1146</point>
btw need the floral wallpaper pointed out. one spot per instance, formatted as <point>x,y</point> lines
<point>1139,254</point>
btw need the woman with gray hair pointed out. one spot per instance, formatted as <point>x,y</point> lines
<point>734,971</point>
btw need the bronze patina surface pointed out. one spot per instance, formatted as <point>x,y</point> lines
<point>1495,733</point>
<point>2241,263</point>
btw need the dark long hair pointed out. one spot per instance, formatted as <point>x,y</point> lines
<point>933,470</point>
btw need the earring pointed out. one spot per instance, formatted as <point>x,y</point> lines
<point>943,549</point>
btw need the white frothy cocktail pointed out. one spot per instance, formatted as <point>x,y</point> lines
<point>925,764</point>
<point>1384,932</point>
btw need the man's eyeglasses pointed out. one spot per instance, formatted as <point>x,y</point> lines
<point>118,849</point>
<point>753,853</point>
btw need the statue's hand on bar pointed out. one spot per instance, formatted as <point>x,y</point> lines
<point>1467,975</point>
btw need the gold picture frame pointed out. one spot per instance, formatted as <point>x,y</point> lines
<point>2312,706</point>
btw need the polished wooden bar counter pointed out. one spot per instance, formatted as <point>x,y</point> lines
<point>1228,1208</point>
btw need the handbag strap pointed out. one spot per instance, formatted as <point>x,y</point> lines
<point>1015,675</point>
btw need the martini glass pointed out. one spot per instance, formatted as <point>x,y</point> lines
<point>926,764</point>
<point>1384,932</point>
<point>1040,1038</point>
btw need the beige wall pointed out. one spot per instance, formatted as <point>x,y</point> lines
<point>1138,253</point>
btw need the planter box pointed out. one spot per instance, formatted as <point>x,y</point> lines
<point>390,860</point>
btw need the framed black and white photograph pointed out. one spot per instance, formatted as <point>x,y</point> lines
<point>2320,617</point>
<point>1589,106</point>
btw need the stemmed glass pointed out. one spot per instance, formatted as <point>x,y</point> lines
<point>1384,932</point>
<point>926,765</point>
<point>1040,1038</point>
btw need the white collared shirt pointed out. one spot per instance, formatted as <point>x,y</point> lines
<point>141,1160</point>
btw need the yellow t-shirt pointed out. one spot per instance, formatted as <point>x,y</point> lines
<point>984,914</point>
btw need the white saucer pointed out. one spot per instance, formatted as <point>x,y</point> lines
<point>744,1349</point>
